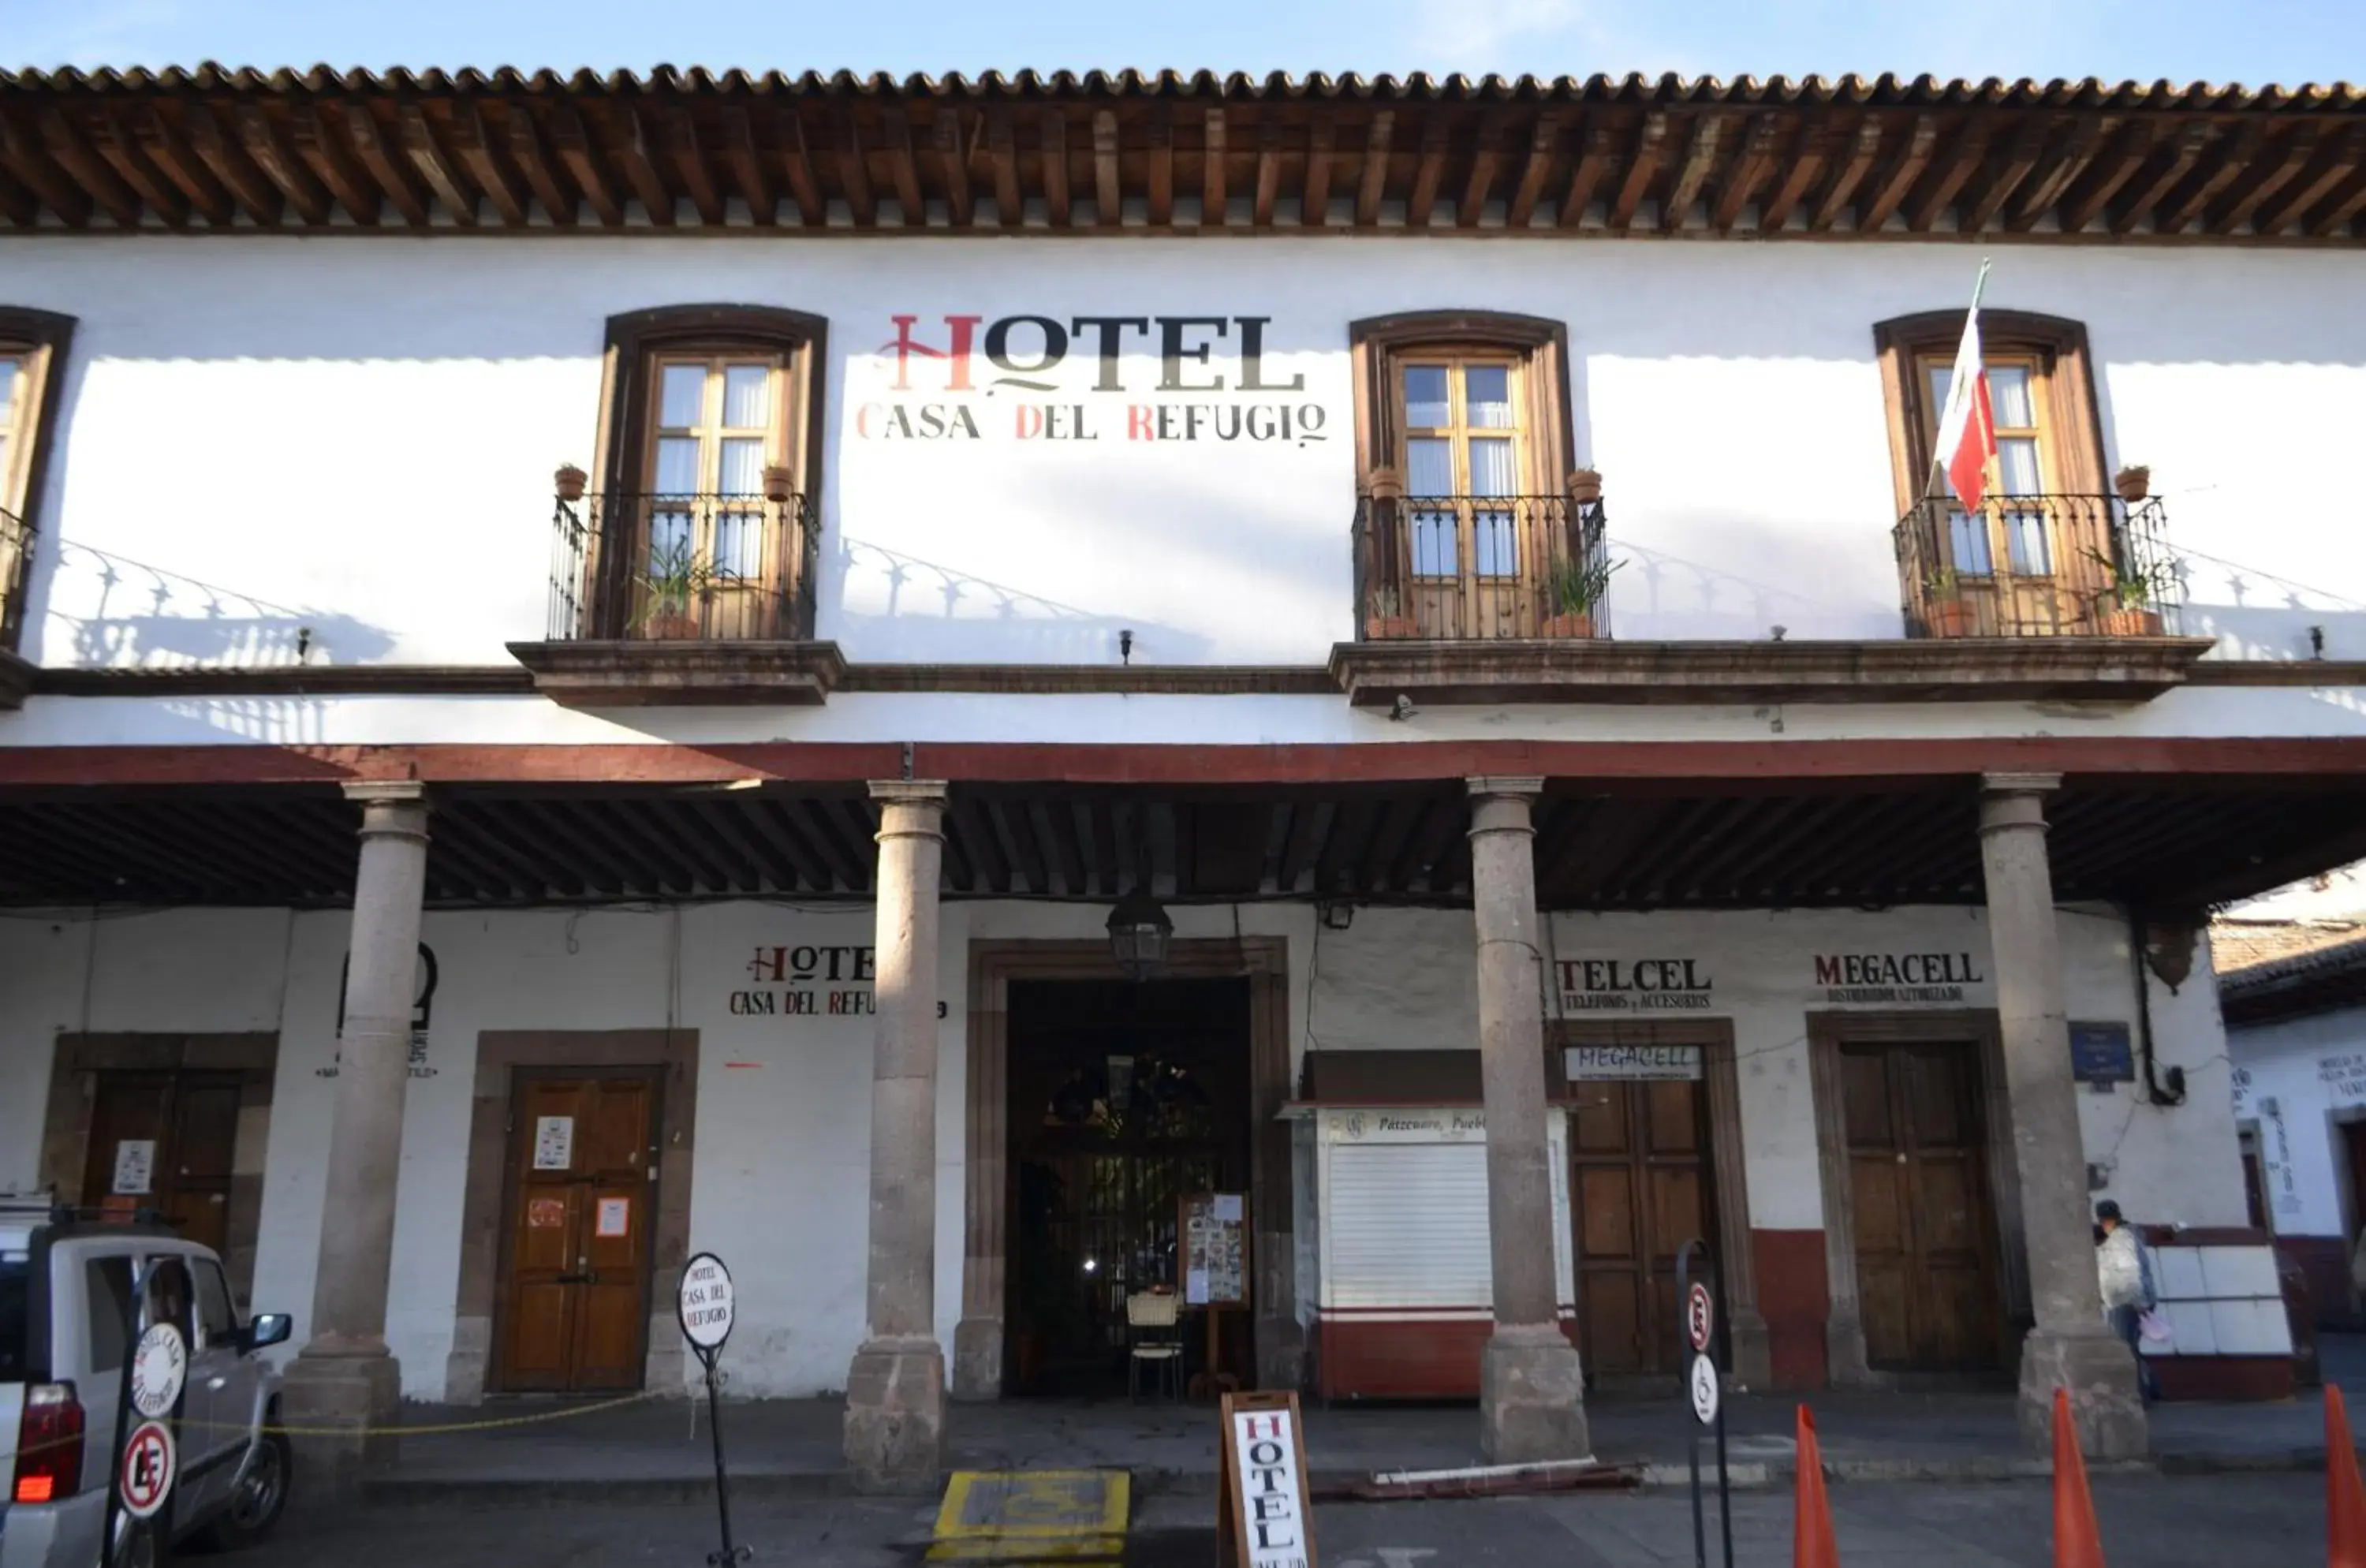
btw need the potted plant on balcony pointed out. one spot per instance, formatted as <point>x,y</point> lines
<point>568,481</point>
<point>1572,590</point>
<point>1944,614</point>
<point>1385,619</point>
<point>2125,606</point>
<point>677,577</point>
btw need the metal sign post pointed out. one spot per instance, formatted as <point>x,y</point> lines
<point>1700,1307</point>
<point>704,1307</point>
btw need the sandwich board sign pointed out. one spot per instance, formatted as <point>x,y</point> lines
<point>1264,1517</point>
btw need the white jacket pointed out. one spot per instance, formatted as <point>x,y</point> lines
<point>2119,1270</point>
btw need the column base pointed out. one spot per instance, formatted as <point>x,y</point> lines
<point>977,1358</point>
<point>896,1416</point>
<point>346,1408</point>
<point>2104,1402</point>
<point>1531,1397</point>
<point>1752,1348</point>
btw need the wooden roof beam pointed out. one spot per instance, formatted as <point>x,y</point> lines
<point>1864,148</point>
<point>479,152</point>
<point>953,150</point>
<point>1912,159</point>
<point>169,150</point>
<point>1269,171</point>
<point>1486,163</point>
<point>2341,208</point>
<point>1816,150</point>
<point>629,145</point>
<point>1162,164</point>
<point>2073,148</point>
<point>530,153</point>
<point>427,151</point>
<point>2160,175</point>
<point>1946,181</point>
<point>903,163</point>
<point>1650,142</point>
<point>2014,168</point>
<point>1002,150</point>
<point>1427,171</point>
<point>2336,165</point>
<point>227,161</point>
<point>2291,155</point>
<point>67,145</point>
<point>117,142</point>
<point>1759,149</point>
<point>267,141</point>
<point>1055,165</point>
<point>2182,207</point>
<point>1373,180</point>
<point>687,162</point>
<point>1700,158</point>
<point>581,157</point>
<point>1315,201</point>
<point>787,135</point>
<point>1109,196</point>
<point>1544,146</point>
<point>2114,167</point>
<point>18,202</point>
<point>1214,204</point>
<point>317,141</point>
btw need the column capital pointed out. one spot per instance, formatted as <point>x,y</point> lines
<point>1525,786</point>
<point>2019,783</point>
<point>909,792</point>
<point>385,792</point>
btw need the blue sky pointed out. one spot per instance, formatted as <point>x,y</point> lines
<point>2251,41</point>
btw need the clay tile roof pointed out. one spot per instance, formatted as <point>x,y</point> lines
<point>2270,969</point>
<point>220,148</point>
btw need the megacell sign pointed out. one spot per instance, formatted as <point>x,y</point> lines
<point>1085,378</point>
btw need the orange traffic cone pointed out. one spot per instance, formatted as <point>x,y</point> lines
<point>2344,1495</point>
<point>1812,1545</point>
<point>2076,1542</point>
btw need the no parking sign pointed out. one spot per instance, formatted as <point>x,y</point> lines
<point>145,1478</point>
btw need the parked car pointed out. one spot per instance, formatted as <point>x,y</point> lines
<point>66,1299</point>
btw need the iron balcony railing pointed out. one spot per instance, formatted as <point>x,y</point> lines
<point>2037,566</point>
<point>16,571</point>
<point>694,568</point>
<point>1465,567</point>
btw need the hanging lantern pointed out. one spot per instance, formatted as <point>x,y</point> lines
<point>1138,930</point>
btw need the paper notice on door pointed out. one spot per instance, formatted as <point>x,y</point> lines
<point>1228,1208</point>
<point>1195,1287</point>
<point>554,1142</point>
<point>546,1213</point>
<point>616,1218</point>
<point>135,1167</point>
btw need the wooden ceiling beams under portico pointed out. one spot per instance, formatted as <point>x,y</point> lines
<point>238,151</point>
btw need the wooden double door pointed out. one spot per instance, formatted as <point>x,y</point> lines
<point>1641,1187</point>
<point>572,1315</point>
<point>165,1141</point>
<point>1925,1229</point>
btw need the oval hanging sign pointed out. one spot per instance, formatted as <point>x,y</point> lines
<point>705,1304</point>
<point>158,1369</point>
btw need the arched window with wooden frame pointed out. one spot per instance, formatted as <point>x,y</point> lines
<point>2051,550</point>
<point>1471,520</point>
<point>704,519</point>
<point>33,348</point>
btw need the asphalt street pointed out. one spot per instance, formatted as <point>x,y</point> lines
<point>2235,1521</point>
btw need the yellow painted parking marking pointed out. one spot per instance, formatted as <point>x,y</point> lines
<point>1032,1515</point>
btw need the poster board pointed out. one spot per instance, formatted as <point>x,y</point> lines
<point>1214,1233</point>
<point>1264,1511</point>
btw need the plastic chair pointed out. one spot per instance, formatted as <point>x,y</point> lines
<point>1154,1343</point>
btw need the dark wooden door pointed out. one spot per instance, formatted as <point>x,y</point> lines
<point>582,1169</point>
<point>167,1142</point>
<point>1925,1240</point>
<point>1640,1189</point>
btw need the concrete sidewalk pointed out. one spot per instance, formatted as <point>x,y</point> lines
<point>658,1449</point>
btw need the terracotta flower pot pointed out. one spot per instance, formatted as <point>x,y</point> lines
<point>1585,487</point>
<point>780,483</point>
<point>2133,482</point>
<point>1388,629</point>
<point>671,627</point>
<point>1575,624</point>
<point>1947,617</point>
<point>569,481</point>
<point>2130,622</point>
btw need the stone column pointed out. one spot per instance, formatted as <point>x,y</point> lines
<point>2070,1345</point>
<point>895,1389</point>
<point>1532,1396</point>
<point>345,1381</point>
